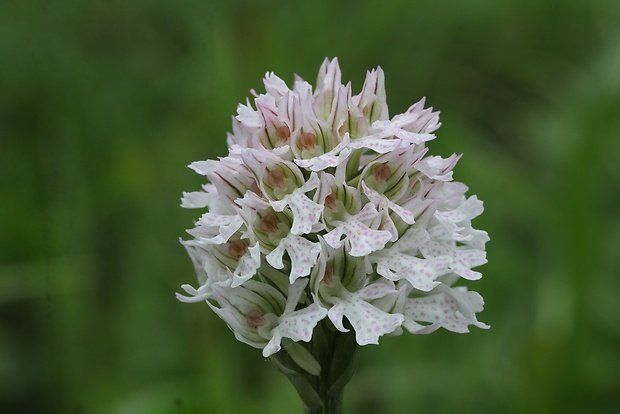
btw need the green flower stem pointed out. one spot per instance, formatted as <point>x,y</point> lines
<point>337,354</point>
<point>331,405</point>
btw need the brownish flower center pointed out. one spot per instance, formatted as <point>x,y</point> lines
<point>237,249</point>
<point>255,319</point>
<point>307,140</point>
<point>284,133</point>
<point>275,178</point>
<point>382,172</point>
<point>254,188</point>
<point>269,224</point>
<point>341,131</point>
<point>327,277</point>
<point>330,201</point>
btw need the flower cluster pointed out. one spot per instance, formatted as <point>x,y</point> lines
<point>327,208</point>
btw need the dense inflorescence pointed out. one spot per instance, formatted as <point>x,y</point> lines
<point>327,208</point>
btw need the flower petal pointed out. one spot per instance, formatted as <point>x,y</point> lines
<point>468,210</point>
<point>195,199</point>
<point>461,259</point>
<point>247,116</point>
<point>327,83</point>
<point>306,213</point>
<point>451,308</point>
<point>196,295</point>
<point>362,240</point>
<point>303,254</point>
<point>333,158</point>
<point>275,86</point>
<point>216,228</point>
<point>417,119</point>
<point>421,273</point>
<point>377,144</point>
<point>372,100</point>
<point>234,304</point>
<point>248,265</point>
<point>437,168</point>
<point>379,199</point>
<point>368,321</point>
<point>297,326</point>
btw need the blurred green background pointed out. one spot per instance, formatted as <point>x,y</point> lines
<point>104,103</point>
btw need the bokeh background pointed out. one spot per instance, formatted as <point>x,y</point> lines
<point>104,103</point>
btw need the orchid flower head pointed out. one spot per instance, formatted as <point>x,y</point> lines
<point>326,209</point>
